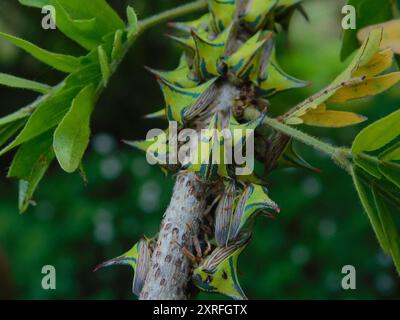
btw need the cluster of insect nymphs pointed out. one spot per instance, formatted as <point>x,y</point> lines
<point>189,93</point>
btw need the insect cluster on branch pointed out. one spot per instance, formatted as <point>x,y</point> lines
<point>190,91</point>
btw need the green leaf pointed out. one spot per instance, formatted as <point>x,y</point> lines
<point>392,153</point>
<point>391,171</point>
<point>396,254</point>
<point>29,165</point>
<point>391,34</point>
<point>389,190</point>
<point>132,20</point>
<point>156,115</point>
<point>46,116</point>
<point>71,137</point>
<point>363,58</point>
<point>104,65</point>
<point>363,64</point>
<point>385,187</point>
<point>35,3</point>
<point>368,12</point>
<point>84,31</point>
<point>61,62</point>
<point>368,88</point>
<point>368,166</point>
<point>378,134</point>
<point>117,44</point>
<point>17,115</point>
<point>389,226</point>
<point>291,159</point>
<point>99,9</point>
<point>8,130</point>
<point>86,21</point>
<point>321,117</point>
<point>82,173</point>
<point>369,208</point>
<point>16,82</point>
<point>86,75</point>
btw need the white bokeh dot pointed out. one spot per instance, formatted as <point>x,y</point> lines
<point>327,228</point>
<point>103,143</point>
<point>149,196</point>
<point>300,255</point>
<point>311,187</point>
<point>103,227</point>
<point>384,283</point>
<point>110,168</point>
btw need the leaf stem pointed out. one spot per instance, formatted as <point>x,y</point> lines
<point>172,14</point>
<point>339,155</point>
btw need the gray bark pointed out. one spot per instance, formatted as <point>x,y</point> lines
<point>170,272</point>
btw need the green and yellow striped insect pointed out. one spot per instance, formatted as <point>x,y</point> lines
<point>222,13</point>
<point>252,201</point>
<point>224,213</point>
<point>138,258</point>
<point>209,54</point>
<point>218,272</point>
<point>208,161</point>
<point>291,159</point>
<point>241,132</point>
<point>244,63</point>
<point>158,151</point>
<point>258,11</point>
<point>237,210</point>
<point>182,104</point>
<point>276,80</point>
<point>195,25</point>
<point>215,153</point>
<point>180,77</point>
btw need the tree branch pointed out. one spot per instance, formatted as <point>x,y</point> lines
<point>169,277</point>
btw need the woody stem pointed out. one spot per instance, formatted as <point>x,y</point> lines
<point>169,276</point>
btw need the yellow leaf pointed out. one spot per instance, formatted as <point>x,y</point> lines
<point>294,121</point>
<point>321,117</point>
<point>363,57</point>
<point>369,87</point>
<point>369,48</point>
<point>379,63</point>
<point>391,34</point>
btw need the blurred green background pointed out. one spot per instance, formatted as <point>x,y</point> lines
<point>75,226</point>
